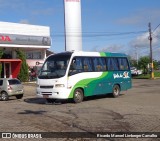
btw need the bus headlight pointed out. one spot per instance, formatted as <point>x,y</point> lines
<point>59,85</point>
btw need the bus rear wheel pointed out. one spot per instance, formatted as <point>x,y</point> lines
<point>116,91</point>
<point>78,95</point>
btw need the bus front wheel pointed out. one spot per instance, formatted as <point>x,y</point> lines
<point>116,91</point>
<point>78,95</point>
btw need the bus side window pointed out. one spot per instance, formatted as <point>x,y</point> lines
<point>85,67</point>
<point>76,66</point>
<point>72,69</point>
<point>87,64</point>
<point>99,64</point>
<point>123,63</point>
<point>109,64</point>
<point>103,63</point>
<point>112,64</point>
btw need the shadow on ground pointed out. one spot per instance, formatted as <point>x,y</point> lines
<point>59,102</point>
<point>26,112</point>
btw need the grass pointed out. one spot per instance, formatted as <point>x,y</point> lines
<point>147,76</point>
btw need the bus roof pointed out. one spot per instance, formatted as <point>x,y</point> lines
<point>103,54</point>
<point>93,54</point>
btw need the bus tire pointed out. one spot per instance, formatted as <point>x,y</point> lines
<point>116,91</point>
<point>78,95</point>
<point>19,96</point>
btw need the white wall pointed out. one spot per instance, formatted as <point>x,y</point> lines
<point>24,29</point>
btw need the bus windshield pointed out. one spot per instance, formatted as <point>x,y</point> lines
<point>54,67</point>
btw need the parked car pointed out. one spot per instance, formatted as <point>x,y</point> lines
<point>10,87</point>
<point>135,71</point>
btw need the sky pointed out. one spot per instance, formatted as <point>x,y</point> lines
<point>107,25</point>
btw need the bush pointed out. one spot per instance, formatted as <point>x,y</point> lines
<point>23,74</point>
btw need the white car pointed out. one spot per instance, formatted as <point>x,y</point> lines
<point>10,87</point>
<point>135,71</point>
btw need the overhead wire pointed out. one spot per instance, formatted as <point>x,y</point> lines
<point>156,28</point>
<point>98,34</point>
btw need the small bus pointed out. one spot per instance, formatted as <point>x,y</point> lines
<point>75,75</point>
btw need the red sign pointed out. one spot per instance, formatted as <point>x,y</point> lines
<point>5,38</point>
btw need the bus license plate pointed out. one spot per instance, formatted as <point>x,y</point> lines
<point>45,96</point>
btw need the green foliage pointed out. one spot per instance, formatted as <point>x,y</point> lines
<point>1,53</point>
<point>133,63</point>
<point>147,76</point>
<point>155,64</point>
<point>23,74</point>
<point>157,74</point>
<point>143,63</point>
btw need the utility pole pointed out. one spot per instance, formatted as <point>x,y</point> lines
<point>151,57</point>
<point>136,55</point>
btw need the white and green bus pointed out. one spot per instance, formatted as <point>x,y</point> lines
<point>81,74</point>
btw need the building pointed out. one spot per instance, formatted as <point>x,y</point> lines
<point>32,39</point>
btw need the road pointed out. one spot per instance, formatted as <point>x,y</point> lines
<point>135,110</point>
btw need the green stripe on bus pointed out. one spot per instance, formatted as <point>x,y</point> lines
<point>89,85</point>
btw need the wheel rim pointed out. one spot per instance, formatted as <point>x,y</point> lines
<point>116,91</point>
<point>78,96</point>
<point>3,96</point>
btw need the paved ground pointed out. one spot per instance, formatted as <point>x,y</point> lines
<point>136,110</point>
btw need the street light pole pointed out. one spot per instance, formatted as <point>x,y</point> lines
<point>151,57</point>
<point>136,55</point>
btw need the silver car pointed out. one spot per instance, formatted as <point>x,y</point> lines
<point>135,71</point>
<point>10,87</point>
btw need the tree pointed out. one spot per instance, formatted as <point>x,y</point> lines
<point>155,64</point>
<point>23,74</point>
<point>143,63</point>
<point>133,62</point>
<point>1,53</point>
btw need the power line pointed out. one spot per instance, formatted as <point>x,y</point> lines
<point>98,34</point>
<point>156,28</point>
<point>156,36</point>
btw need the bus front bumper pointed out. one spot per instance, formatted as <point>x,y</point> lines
<point>53,93</point>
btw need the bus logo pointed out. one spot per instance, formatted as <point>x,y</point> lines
<point>124,75</point>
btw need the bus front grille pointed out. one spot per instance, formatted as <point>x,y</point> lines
<point>46,93</point>
<point>46,87</point>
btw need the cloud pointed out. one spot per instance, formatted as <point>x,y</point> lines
<point>143,40</point>
<point>14,5</point>
<point>24,21</point>
<point>142,44</point>
<point>140,41</point>
<point>34,8</point>
<point>140,17</point>
<point>113,48</point>
<point>139,45</point>
<point>48,11</point>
